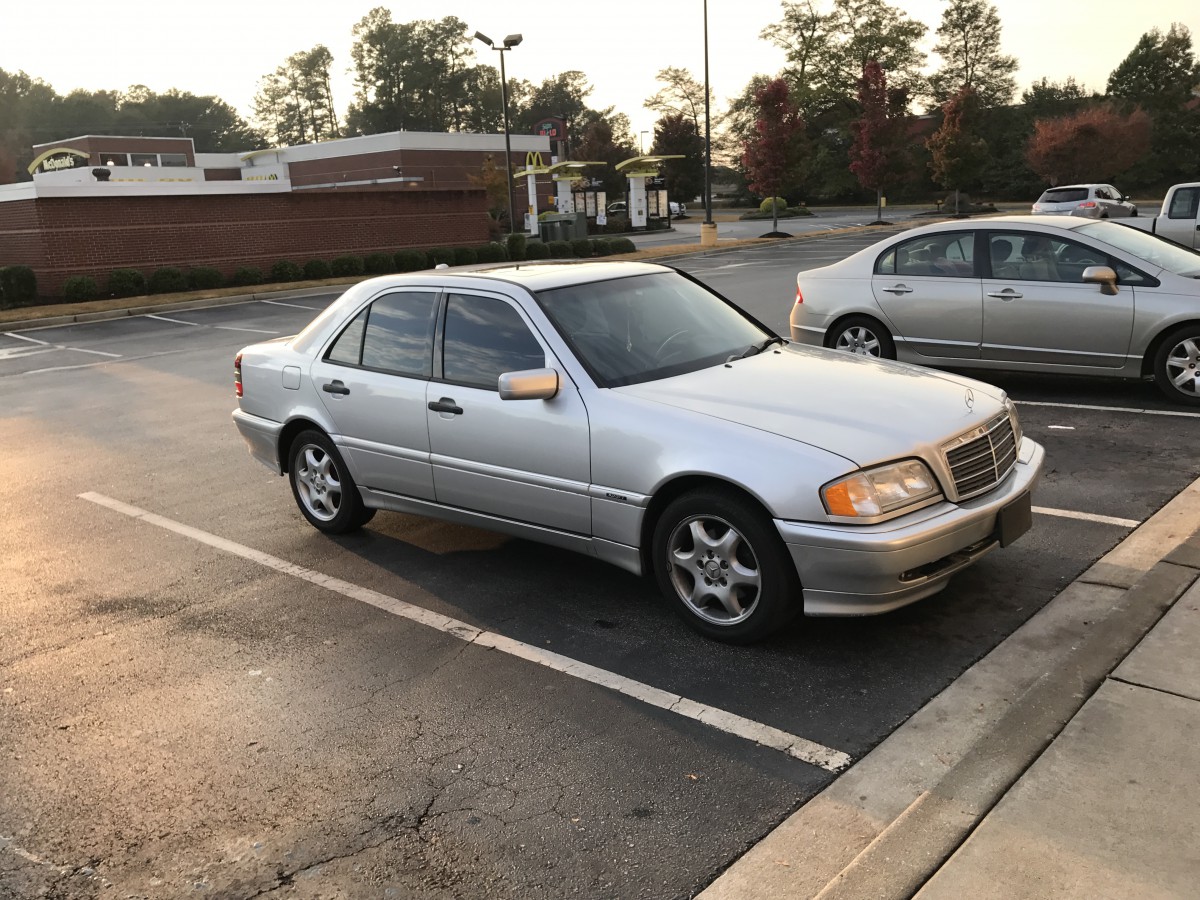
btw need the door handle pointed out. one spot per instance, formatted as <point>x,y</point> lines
<point>446,405</point>
<point>1006,294</point>
<point>898,289</point>
<point>335,387</point>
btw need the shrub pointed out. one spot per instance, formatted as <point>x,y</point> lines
<point>581,247</point>
<point>464,256</point>
<point>616,225</point>
<point>409,260</point>
<point>492,252</point>
<point>126,283</point>
<point>246,276</point>
<point>516,245</point>
<point>601,247</point>
<point>560,249</point>
<point>18,285</point>
<point>348,265</point>
<point>78,288</point>
<point>622,245</point>
<point>765,206</point>
<point>439,255</point>
<point>537,250</point>
<point>316,270</point>
<point>284,271</point>
<point>379,263</point>
<point>167,280</point>
<point>203,278</point>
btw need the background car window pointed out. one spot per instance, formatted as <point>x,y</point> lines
<point>1063,195</point>
<point>946,255</point>
<point>1184,203</point>
<point>485,337</point>
<point>399,335</point>
<point>1039,257</point>
<point>348,346</point>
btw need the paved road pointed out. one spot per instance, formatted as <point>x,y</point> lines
<point>201,694</point>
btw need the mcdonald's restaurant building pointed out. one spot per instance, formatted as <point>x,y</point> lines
<point>98,203</point>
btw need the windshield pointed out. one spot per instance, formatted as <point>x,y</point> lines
<point>1153,249</point>
<point>637,329</point>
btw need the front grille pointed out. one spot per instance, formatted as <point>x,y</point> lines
<point>981,458</point>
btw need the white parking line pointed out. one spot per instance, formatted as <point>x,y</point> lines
<point>292,305</point>
<point>1087,517</point>
<point>797,747</point>
<point>1124,409</point>
<point>175,321</point>
<point>22,337</point>
<point>251,330</point>
<point>50,346</point>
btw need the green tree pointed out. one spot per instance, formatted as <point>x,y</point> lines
<point>681,93</point>
<point>1052,98</point>
<point>294,104</point>
<point>675,133</point>
<point>969,45</point>
<point>600,142</point>
<point>958,154</point>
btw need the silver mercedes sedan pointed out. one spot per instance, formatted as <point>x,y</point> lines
<point>626,411</point>
<point>1028,293</point>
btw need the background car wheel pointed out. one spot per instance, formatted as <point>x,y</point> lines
<point>322,486</point>
<point>1177,366</point>
<point>862,335</point>
<point>720,563</point>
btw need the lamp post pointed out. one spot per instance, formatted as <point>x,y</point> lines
<point>641,146</point>
<point>509,42</point>
<point>708,220</point>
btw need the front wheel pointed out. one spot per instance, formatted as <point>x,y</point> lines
<point>722,566</point>
<point>321,483</point>
<point>1177,366</point>
<point>863,336</point>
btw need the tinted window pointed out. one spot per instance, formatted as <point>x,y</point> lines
<point>399,336</point>
<point>1029,256</point>
<point>348,346</point>
<point>1064,195</point>
<point>946,255</point>
<point>1184,203</point>
<point>485,338</point>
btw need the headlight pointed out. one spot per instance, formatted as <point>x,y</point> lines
<point>874,492</point>
<point>1011,408</point>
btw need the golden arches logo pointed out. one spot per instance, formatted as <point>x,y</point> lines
<point>533,160</point>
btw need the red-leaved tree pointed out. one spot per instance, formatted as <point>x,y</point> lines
<point>772,157</point>
<point>1094,144</point>
<point>878,133</point>
<point>958,154</point>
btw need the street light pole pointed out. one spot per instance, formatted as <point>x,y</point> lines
<point>509,42</point>
<point>641,147</point>
<point>708,219</point>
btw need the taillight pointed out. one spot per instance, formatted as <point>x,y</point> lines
<point>799,295</point>
<point>1088,204</point>
<point>237,374</point>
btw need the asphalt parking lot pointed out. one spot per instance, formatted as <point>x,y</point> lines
<point>202,694</point>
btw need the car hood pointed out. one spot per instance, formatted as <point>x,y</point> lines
<point>863,409</point>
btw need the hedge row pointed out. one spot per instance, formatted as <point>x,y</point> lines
<point>169,279</point>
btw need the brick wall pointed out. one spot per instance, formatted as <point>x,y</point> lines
<point>62,237</point>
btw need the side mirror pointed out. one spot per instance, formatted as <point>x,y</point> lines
<point>1103,276</point>
<point>530,384</point>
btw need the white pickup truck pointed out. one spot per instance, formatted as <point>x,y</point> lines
<point>1179,219</point>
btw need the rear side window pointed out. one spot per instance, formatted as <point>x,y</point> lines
<point>1184,203</point>
<point>948,255</point>
<point>393,334</point>
<point>1064,195</point>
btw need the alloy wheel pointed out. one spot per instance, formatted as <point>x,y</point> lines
<point>860,340</point>
<point>318,482</point>
<point>714,570</point>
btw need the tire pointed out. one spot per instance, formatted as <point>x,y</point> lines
<point>1177,365</point>
<point>323,487</point>
<point>862,335</point>
<point>722,566</point>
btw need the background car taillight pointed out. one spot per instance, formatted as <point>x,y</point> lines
<point>237,374</point>
<point>799,295</point>
<point>1088,204</point>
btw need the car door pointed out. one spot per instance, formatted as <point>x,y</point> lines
<point>528,460</point>
<point>1182,220</point>
<point>929,288</point>
<point>372,378</point>
<point>1037,309</point>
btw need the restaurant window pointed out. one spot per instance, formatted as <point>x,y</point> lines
<point>114,159</point>
<point>172,159</point>
<point>143,159</point>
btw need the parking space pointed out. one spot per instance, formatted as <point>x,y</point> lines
<point>457,703</point>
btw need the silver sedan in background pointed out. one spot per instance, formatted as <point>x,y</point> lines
<point>628,412</point>
<point>1091,201</point>
<point>1024,293</point>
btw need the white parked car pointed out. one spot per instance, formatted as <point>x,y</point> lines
<point>1091,201</point>
<point>628,412</point>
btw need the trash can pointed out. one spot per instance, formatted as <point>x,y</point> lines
<point>557,227</point>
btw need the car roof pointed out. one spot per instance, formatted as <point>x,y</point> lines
<point>1047,222</point>
<point>534,276</point>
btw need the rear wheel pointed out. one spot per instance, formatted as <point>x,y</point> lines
<point>321,483</point>
<point>1177,366</point>
<point>720,563</point>
<point>862,335</point>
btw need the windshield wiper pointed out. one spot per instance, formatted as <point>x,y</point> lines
<point>755,349</point>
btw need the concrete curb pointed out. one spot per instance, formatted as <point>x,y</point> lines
<point>886,825</point>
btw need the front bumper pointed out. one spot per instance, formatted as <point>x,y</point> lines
<point>261,437</point>
<point>848,570</point>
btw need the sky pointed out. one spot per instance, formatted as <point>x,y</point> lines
<point>222,47</point>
